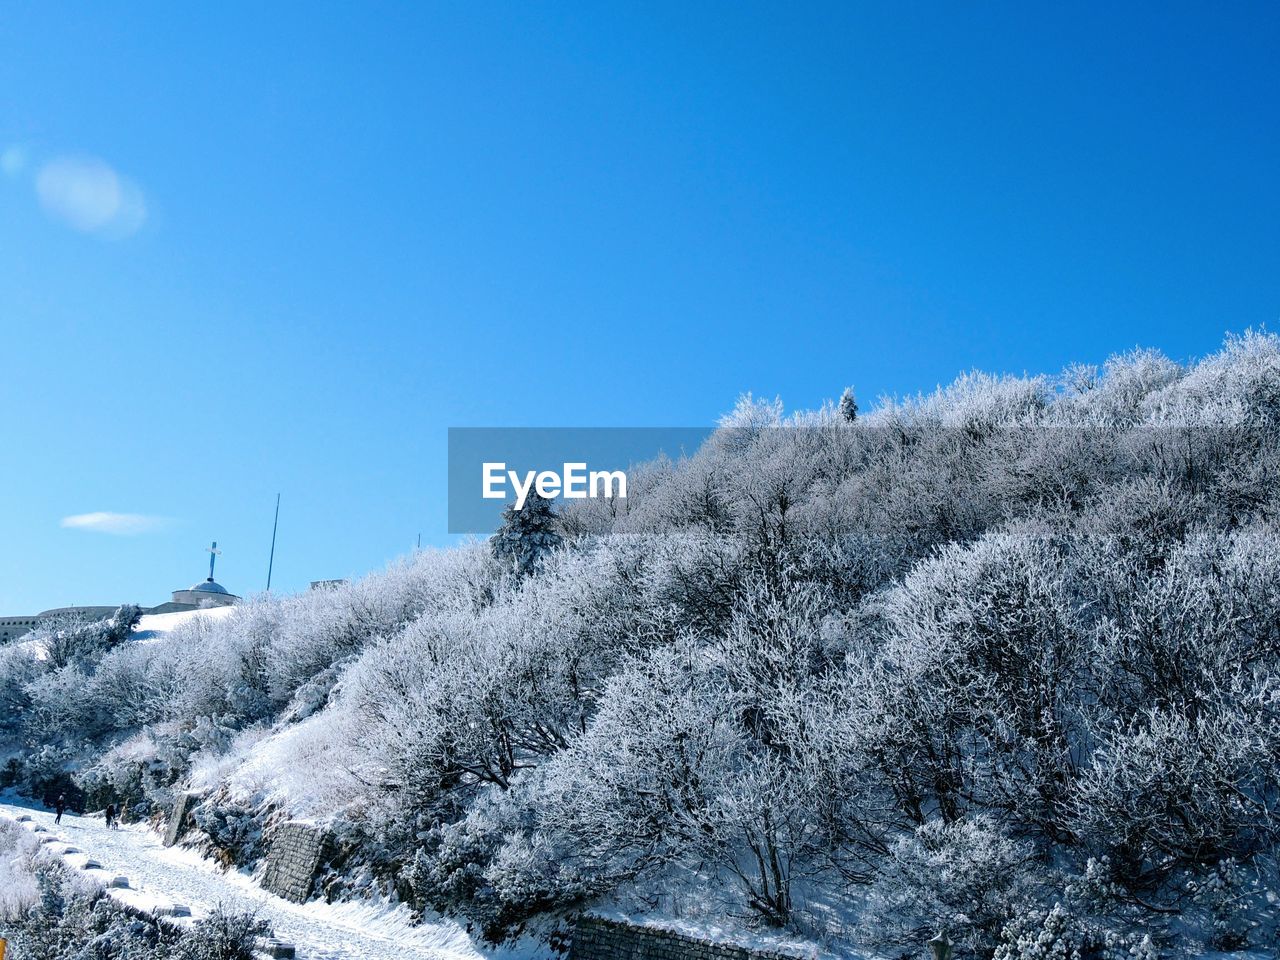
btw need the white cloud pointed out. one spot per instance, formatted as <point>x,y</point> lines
<point>122,524</point>
<point>89,196</point>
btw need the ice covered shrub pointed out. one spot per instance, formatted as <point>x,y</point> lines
<point>314,630</point>
<point>446,874</point>
<point>1236,905</point>
<point>1037,935</point>
<point>144,767</point>
<point>63,707</point>
<point>1240,384</point>
<point>77,640</point>
<point>313,695</point>
<point>794,781</point>
<point>492,868</point>
<point>18,888</point>
<point>970,697</point>
<point>636,788</point>
<point>727,756</point>
<point>524,871</point>
<point>133,684</point>
<point>45,774</point>
<point>1057,934</point>
<point>18,668</point>
<point>1171,791</point>
<point>1140,518</point>
<point>223,935</point>
<point>966,878</point>
<point>233,828</point>
<point>1193,631</point>
<point>1118,396</point>
<point>707,758</point>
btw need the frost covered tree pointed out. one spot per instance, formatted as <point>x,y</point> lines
<point>848,406</point>
<point>75,639</point>
<point>966,877</point>
<point>527,535</point>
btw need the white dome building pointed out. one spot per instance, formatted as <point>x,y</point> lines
<point>210,593</point>
<point>198,596</point>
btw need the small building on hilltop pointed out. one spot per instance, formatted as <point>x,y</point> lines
<point>200,596</point>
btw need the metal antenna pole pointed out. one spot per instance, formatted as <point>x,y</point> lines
<point>274,526</point>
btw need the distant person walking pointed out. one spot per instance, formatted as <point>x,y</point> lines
<point>111,816</point>
<point>60,806</point>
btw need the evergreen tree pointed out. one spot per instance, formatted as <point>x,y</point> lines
<point>848,405</point>
<point>527,535</point>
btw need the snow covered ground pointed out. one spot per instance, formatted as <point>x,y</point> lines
<point>151,628</point>
<point>160,876</point>
<point>157,626</point>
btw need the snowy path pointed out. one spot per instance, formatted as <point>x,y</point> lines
<point>159,875</point>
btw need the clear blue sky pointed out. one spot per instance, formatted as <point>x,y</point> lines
<point>282,247</point>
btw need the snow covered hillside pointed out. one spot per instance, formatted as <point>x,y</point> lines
<point>1002,660</point>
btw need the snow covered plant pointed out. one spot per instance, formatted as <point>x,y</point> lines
<point>963,684</point>
<point>234,829</point>
<point>73,640</point>
<point>966,878</point>
<point>19,890</point>
<point>714,756</point>
<point>637,788</point>
<point>1239,904</point>
<point>1056,934</point>
<point>1171,792</point>
<point>223,935</point>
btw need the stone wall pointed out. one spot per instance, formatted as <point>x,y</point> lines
<point>596,938</point>
<point>292,862</point>
<point>180,818</point>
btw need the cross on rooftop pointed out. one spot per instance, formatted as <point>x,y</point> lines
<point>213,556</point>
